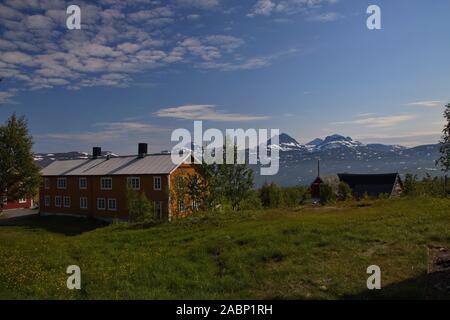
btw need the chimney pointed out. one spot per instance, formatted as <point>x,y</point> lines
<point>142,150</point>
<point>96,152</point>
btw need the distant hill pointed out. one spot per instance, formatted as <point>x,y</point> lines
<point>337,153</point>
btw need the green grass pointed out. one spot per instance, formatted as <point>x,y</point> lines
<point>309,253</point>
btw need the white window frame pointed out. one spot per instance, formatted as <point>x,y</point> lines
<point>23,200</point>
<point>158,209</point>
<point>104,204</point>
<point>79,183</point>
<point>115,204</point>
<point>83,202</point>
<point>155,187</point>
<point>103,179</point>
<point>47,201</point>
<point>58,199</point>
<point>181,206</point>
<point>131,183</point>
<point>65,204</point>
<point>58,183</point>
<point>46,183</point>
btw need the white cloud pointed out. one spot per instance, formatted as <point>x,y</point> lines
<point>203,4</point>
<point>5,97</point>
<point>326,17</point>
<point>205,112</point>
<point>289,7</point>
<point>379,121</point>
<point>428,104</point>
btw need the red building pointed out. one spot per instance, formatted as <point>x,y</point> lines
<point>19,204</point>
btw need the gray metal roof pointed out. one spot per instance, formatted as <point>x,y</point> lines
<point>129,165</point>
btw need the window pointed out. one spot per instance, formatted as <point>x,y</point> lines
<point>66,202</point>
<point>156,183</point>
<point>179,182</point>
<point>58,201</point>
<point>106,183</point>
<point>61,183</point>
<point>134,183</point>
<point>158,210</point>
<point>181,206</point>
<point>23,200</point>
<point>112,204</point>
<point>195,205</point>
<point>4,200</point>
<point>83,183</point>
<point>101,205</point>
<point>47,201</point>
<point>47,183</point>
<point>83,203</point>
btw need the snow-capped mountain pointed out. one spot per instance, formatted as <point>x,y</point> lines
<point>44,159</point>
<point>340,154</point>
<point>332,142</point>
<point>286,143</point>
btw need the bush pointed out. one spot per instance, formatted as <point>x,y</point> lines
<point>295,196</point>
<point>252,201</point>
<point>344,192</point>
<point>271,196</point>
<point>140,209</point>
<point>326,194</point>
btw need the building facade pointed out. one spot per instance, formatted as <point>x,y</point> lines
<point>24,203</point>
<point>99,187</point>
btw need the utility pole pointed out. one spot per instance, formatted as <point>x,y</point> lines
<point>318,167</point>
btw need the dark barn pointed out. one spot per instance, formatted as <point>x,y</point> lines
<point>373,185</point>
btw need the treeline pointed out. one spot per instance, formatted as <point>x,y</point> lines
<point>427,186</point>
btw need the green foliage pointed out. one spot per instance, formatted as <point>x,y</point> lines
<point>276,254</point>
<point>252,201</point>
<point>427,186</point>
<point>19,176</point>
<point>271,196</point>
<point>344,192</point>
<point>444,160</point>
<point>140,209</point>
<point>327,194</point>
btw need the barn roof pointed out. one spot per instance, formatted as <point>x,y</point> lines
<point>127,165</point>
<point>372,184</point>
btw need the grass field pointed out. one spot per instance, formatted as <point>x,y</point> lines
<point>308,253</point>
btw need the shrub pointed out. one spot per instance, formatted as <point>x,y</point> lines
<point>252,201</point>
<point>140,209</point>
<point>326,194</point>
<point>271,196</point>
<point>344,192</point>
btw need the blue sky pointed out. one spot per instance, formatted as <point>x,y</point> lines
<point>139,69</point>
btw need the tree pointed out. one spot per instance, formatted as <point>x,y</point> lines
<point>444,160</point>
<point>238,181</point>
<point>344,192</point>
<point>140,209</point>
<point>271,195</point>
<point>19,176</point>
<point>326,194</point>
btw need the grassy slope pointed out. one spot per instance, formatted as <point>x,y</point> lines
<point>297,254</point>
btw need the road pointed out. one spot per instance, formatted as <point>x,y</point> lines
<point>15,214</point>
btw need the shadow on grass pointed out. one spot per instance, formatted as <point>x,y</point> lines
<point>434,286</point>
<point>68,226</point>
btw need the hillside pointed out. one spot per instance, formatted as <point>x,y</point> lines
<point>308,253</point>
